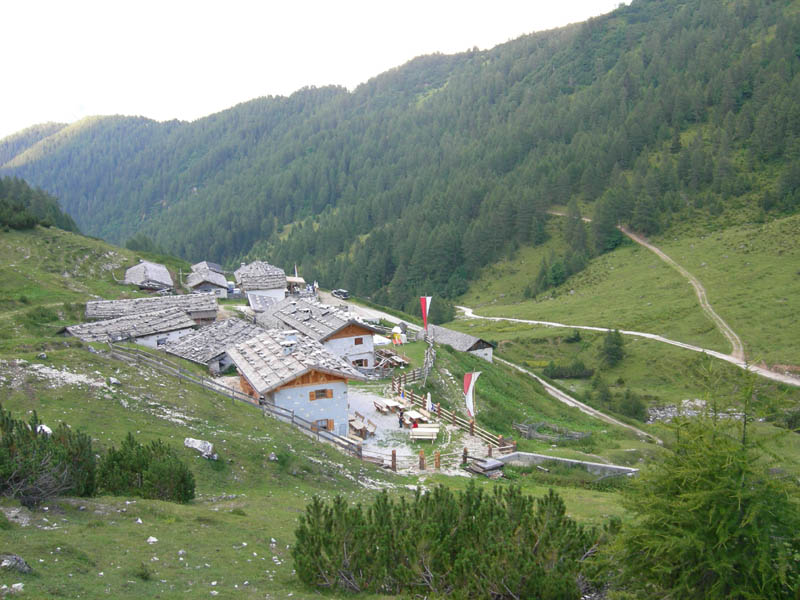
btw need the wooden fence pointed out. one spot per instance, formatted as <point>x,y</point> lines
<point>168,367</point>
<point>447,416</point>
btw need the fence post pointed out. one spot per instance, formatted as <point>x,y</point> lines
<point>394,461</point>
<point>453,414</point>
<point>490,451</point>
<point>437,460</point>
<point>500,443</point>
<point>514,444</point>
<point>439,409</point>
<point>472,426</point>
<point>292,416</point>
<point>464,457</point>
<point>422,460</point>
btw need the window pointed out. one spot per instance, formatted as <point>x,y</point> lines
<point>324,424</point>
<point>161,341</point>
<point>360,362</point>
<point>319,394</point>
<point>358,341</point>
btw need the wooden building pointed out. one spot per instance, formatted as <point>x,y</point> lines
<point>152,329</point>
<point>202,308</point>
<point>149,276</point>
<point>296,373</point>
<point>339,331</point>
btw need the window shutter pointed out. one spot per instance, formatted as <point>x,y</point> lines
<point>329,393</point>
<point>311,397</point>
<point>330,424</point>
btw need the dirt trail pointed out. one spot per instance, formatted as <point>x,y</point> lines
<point>736,342</point>
<point>570,401</point>
<point>737,350</point>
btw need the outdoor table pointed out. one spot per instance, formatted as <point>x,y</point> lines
<point>415,416</point>
<point>359,427</point>
<point>392,405</point>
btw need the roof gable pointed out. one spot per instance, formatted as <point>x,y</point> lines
<point>190,303</point>
<point>149,274</point>
<point>260,275</point>
<point>314,319</point>
<point>276,357</point>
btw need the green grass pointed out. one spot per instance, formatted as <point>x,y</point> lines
<point>750,273</point>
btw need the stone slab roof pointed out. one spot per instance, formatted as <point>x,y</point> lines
<point>132,326</point>
<point>206,343</point>
<point>206,276</point>
<point>260,275</point>
<point>463,342</point>
<point>277,357</point>
<point>314,319</point>
<point>207,266</point>
<point>190,303</point>
<point>150,275</point>
<point>260,303</point>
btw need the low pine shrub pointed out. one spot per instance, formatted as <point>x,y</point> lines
<point>149,471</point>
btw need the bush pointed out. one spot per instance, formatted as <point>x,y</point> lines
<point>152,471</point>
<point>575,370</point>
<point>528,547</point>
<point>36,466</point>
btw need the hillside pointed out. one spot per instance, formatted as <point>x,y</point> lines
<point>656,114</point>
<point>223,540</point>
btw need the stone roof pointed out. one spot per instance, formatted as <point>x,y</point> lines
<point>463,342</point>
<point>206,343</point>
<point>206,276</point>
<point>190,303</point>
<point>260,275</point>
<point>260,303</point>
<point>277,357</point>
<point>314,319</point>
<point>207,266</point>
<point>132,326</point>
<point>149,275</point>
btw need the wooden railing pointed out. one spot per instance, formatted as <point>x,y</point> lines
<point>168,367</point>
<point>451,417</point>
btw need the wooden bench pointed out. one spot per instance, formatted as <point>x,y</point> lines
<point>371,427</point>
<point>359,416</point>
<point>424,433</point>
<point>355,439</point>
<point>381,408</point>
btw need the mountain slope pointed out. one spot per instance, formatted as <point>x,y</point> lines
<point>657,113</point>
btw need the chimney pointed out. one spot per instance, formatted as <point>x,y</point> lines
<point>288,347</point>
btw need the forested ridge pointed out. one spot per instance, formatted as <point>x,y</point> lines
<point>659,112</point>
<point>22,207</point>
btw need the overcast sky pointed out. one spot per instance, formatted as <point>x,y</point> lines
<point>66,59</point>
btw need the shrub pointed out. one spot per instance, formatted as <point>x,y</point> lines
<point>528,547</point>
<point>575,370</point>
<point>151,471</point>
<point>36,466</point>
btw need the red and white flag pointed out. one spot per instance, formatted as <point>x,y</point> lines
<point>469,392</point>
<point>425,303</point>
<point>295,269</point>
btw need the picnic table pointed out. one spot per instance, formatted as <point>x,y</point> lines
<point>392,405</point>
<point>415,415</point>
<point>425,432</point>
<point>359,427</point>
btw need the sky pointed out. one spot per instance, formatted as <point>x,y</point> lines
<point>180,59</point>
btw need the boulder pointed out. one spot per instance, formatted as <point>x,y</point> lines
<point>14,562</point>
<point>114,381</point>
<point>206,449</point>
<point>44,429</point>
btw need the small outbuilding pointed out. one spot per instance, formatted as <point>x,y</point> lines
<point>149,276</point>
<point>294,372</point>
<point>208,266</point>
<point>206,280</point>
<point>463,342</point>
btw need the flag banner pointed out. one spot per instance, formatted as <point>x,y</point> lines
<point>425,303</point>
<point>469,392</point>
<point>295,269</point>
